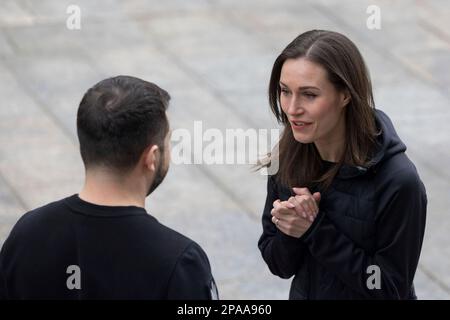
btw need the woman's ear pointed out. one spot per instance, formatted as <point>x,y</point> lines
<point>151,157</point>
<point>345,97</point>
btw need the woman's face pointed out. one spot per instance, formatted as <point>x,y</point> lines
<point>313,106</point>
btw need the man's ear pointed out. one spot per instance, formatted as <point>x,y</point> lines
<point>151,157</point>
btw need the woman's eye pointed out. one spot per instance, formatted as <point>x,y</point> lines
<point>284,91</point>
<point>310,95</point>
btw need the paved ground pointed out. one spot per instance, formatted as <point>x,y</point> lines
<point>214,57</point>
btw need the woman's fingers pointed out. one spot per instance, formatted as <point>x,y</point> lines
<point>313,206</point>
<point>294,216</point>
<point>307,206</point>
<point>317,196</point>
<point>276,221</point>
<point>298,207</point>
<point>282,208</point>
<point>276,203</point>
<point>290,203</point>
<point>313,199</point>
<point>304,206</point>
<point>292,225</point>
<point>314,203</point>
<point>302,191</point>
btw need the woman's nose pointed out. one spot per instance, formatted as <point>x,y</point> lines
<point>294,107</point>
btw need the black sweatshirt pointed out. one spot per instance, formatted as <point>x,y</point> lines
<point>371,217</point>
<point>120,252</point>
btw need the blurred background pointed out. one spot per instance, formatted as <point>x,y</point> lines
<point>214,57</point>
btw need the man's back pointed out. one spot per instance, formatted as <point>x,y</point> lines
<point>121,253</point>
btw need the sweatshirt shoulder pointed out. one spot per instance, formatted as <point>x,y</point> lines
<point>191,277</point>
<point>35,224</point>
<point>45,213</point>
<point>173,240</point>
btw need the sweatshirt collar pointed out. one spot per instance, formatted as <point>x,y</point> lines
<point>75,203</point>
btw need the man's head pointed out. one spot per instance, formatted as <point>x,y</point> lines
<point>122,126</point>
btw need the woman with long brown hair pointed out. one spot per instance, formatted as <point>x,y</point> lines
<point>345,213</point>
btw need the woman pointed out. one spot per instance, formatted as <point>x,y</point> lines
<point>345,213</point>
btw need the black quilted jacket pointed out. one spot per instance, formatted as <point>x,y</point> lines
<point>371,216</point>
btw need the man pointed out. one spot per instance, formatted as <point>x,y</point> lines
<point>101,243</point>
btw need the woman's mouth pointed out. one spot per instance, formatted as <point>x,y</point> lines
<point>300,125</point>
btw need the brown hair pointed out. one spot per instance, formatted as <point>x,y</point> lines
<point>300,164</point>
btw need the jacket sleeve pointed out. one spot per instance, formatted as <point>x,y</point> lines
<point>282,253</point>
<point>400,231</point>
<point>192,278</point>
<point>2,285</point>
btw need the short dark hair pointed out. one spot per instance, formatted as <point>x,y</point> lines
<point>118,118</point>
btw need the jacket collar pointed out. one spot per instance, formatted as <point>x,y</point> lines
<point>389,144</point>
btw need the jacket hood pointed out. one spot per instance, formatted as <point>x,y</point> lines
<point>389,144</point>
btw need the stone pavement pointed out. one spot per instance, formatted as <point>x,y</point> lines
<point>214,57</point>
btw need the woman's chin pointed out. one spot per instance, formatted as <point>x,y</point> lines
<point>302,138</point>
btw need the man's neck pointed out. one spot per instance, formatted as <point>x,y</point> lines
<point>105,190</point>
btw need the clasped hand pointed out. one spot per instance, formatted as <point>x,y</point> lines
<point>294,216</point>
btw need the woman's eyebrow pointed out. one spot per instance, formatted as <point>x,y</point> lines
<point>300,88</point>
